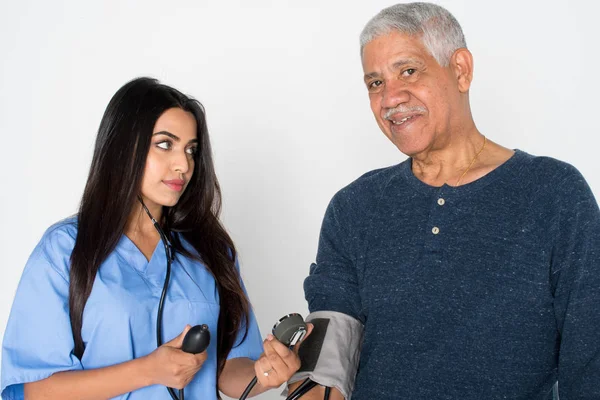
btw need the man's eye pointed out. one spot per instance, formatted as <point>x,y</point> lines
<point>409,72</point>
<point>166,145</point>
<point>375,84</point>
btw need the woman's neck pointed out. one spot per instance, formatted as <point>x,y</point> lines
<point>140,225</point>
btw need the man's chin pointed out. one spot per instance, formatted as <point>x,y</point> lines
<point>409,148</point>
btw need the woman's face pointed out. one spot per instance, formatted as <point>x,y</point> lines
<point>170,162</point>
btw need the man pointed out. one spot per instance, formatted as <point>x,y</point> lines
<point>475,269</point>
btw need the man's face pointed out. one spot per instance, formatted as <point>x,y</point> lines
<point>416,102</point>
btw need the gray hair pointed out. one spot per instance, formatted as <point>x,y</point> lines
<point>439,31</point>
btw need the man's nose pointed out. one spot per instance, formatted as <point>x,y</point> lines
<point>394,93</point>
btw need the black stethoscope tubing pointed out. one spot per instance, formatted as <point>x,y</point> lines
<point>163,295</point>
<point>307,385</point>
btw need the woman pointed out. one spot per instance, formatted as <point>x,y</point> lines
<point>84,320</point>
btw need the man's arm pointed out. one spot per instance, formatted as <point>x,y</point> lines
<point>332,285</point>
<point>575,278</point>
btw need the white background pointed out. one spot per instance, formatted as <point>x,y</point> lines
<point>287,111</point>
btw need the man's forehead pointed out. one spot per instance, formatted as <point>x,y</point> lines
<point>394,39</point>
<point>392,50</point>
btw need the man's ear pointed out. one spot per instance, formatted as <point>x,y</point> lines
<point>461,64</point>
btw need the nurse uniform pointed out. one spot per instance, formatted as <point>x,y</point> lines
<point>119,319</point>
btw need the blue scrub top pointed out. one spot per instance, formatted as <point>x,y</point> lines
<point>119,319</point>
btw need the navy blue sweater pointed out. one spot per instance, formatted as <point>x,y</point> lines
<point>490,290</point>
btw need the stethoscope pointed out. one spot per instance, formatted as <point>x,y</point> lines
<point>289,330</point>
<point>197,338</point>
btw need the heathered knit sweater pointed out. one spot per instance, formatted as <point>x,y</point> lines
<point>490,290</point>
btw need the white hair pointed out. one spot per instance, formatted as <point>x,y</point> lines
<point>439,31</point>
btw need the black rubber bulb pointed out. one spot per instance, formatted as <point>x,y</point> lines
<point>196,340</point>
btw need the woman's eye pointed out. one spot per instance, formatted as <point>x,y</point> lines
<point>166,145</point>
<point>191,150</point>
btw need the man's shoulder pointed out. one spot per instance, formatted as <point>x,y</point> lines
<point>548,164</point>
<point>547,170</point>
<point>370,184</point>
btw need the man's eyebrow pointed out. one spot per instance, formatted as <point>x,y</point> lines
<point>371,75</point>
<point>398,64</point>
<point>406,61</point>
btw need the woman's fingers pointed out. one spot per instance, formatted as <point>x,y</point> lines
<point>178,340</point>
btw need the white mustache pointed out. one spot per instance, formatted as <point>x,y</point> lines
<point>404,110</point>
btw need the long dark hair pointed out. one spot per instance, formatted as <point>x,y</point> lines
<point>111,191</point>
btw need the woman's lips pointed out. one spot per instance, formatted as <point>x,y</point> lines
<point>175,184</point>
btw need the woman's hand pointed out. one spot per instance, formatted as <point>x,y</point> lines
<point>278,363</point>
<point>169,366</point>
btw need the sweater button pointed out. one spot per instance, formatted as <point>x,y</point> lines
<point>441,202</point>
<point>435,230</point>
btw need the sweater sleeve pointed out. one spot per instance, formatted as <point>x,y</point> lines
<point>575,278</point>
<point>333,284</point>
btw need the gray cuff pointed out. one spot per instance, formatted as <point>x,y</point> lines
<point>332,356</point>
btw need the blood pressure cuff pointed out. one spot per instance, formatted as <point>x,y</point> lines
<point>330,355</point>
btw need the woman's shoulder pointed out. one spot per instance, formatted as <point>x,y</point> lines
<point>61,235</point>
<point>55,247</point>
<point>64,226</point>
